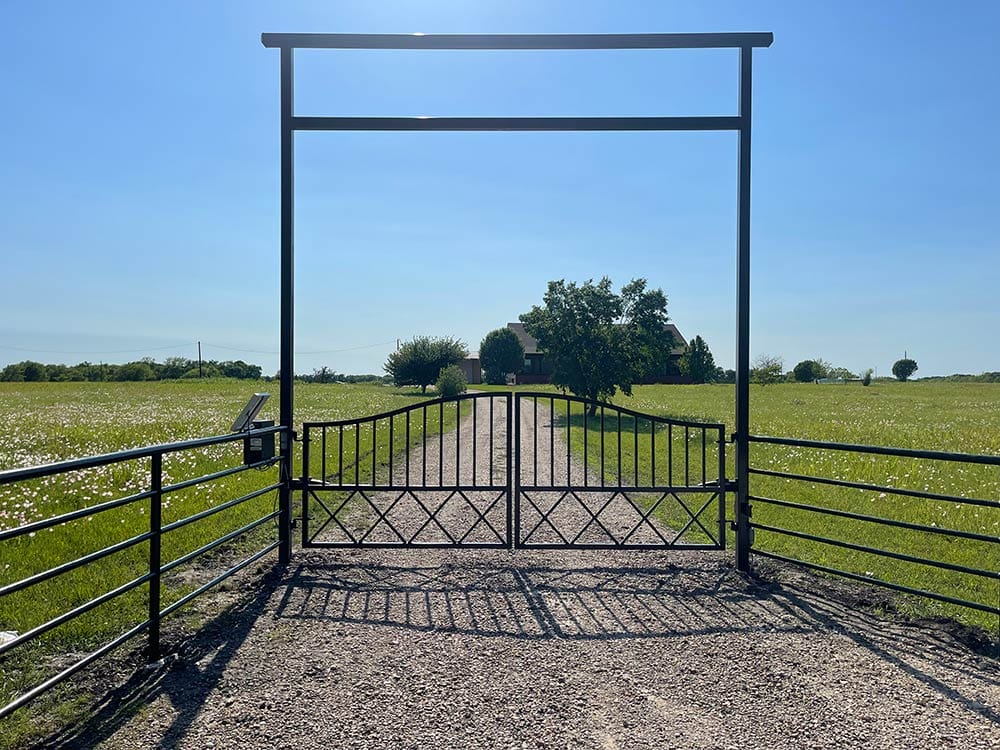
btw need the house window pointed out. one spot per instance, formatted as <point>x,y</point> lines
<point>527,365</point>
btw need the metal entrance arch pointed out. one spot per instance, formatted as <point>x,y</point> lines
<point>741,123</point>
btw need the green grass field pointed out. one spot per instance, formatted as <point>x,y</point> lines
<point>954,417</point>
<point>49,422</point>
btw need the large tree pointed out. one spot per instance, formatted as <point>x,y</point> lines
<point>500,353</point>
<point>808,370</point>
<point>598,341</point>
<point>903,368</point>
<point>767,369</point>
<point>698,362</point>
<point>420,361</point>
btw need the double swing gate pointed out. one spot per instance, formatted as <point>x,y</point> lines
<point>514,470</point>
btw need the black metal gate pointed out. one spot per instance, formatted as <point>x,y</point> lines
<point>521,470</point>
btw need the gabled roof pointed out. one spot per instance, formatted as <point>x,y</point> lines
<point>527,340</point>
<point>531,345</point>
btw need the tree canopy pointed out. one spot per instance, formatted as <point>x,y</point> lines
<point>597,341</point>
<point>698,362</point>
<point>767,369</point>
<point>420,361</point>
<point>500,353</point>
<point>808,370</point>
<point>143,369</point>
<point>904,368</point>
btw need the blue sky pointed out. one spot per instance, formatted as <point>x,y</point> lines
<point>139,146</point>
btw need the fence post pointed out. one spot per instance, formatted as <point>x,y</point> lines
<point>155,523</point>
<point>743,538</point>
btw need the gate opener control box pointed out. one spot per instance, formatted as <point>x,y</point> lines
<point>256,448</point>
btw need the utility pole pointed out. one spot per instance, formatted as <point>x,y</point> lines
<point>199,359</point>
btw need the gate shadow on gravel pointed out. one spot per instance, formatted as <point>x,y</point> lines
<point>675,601</point>
<point>536,602</point>
<point>910,647</point>
<point>186,680</point>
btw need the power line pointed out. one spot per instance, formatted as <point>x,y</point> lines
<point>322,351</point>
<point>92,351</point>
<point>193,344</point>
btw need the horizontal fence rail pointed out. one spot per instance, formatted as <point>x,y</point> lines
<point>151,579</point>
<point>795,481</point>
<point>595,475</point>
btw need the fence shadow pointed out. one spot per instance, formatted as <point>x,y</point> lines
<point>188,676</point>
<point>541,601</point>
<point>535,601</point>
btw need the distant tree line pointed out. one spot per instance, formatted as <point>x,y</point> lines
<point>144,369</point>
<point>326,375</point>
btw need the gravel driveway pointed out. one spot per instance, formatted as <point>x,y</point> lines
<point>551,649</point>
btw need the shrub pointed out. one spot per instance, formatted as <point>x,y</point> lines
<point>451,381</point>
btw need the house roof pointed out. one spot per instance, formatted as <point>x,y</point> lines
<point>531,345</point>
<point>527,340</point>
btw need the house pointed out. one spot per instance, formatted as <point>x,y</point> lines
<point>537,369</point>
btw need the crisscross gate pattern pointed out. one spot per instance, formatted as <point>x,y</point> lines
<point>513,470</point>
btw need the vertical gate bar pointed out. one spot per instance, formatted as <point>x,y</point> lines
<point>155,523</point>
<point>491,439</point>
<point>305,469</point>
<point>722,487</point>
<point>407,447</point>
<point>340,458</point>
<point>569,480</point>
<point>743,319</point>
<point>586,429</point>
<point>534,432</point>
<point>458,447</point>
<point>305,480</point>
<point>374,452</point>
<point>687,456</point>
<point>602,445</point>
<point>704,457</point>
<point>619,441</point>
<point>552,441</point>
<point>511,452</point>
<point>516,483</point>
<point>475,435</point>
<point>670,455</point>
<point>652,453</point>
<point>392,448</point>
<point>423,463</point>
<point>635,449</point>
<point>287,351</point>
<point>440,443</point>
<point>357,453</point>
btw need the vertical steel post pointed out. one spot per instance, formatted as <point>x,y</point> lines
<point>287,363</point>
<point>155,523</point>
<point>742,500</point>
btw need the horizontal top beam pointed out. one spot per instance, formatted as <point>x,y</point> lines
<point>517,41</point>
<point>516,123</point>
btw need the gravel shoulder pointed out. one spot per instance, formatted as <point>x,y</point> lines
<point>479,648</point>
